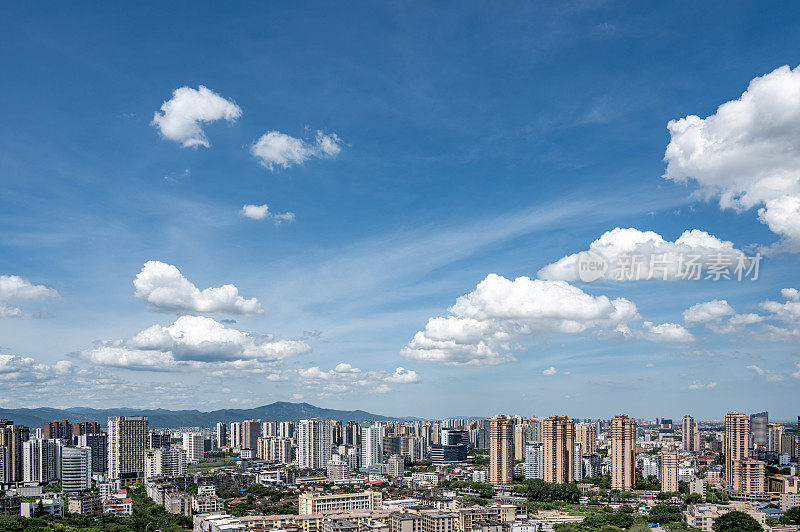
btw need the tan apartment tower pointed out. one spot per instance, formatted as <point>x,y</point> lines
<point>586,435</point>
<point>623,453</point>
<point>501,451</point>
<point>737,441</point>
<point>669,471</point>
<point>558,436</point>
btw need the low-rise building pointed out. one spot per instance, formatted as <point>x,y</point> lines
<point>203,504</point>
<point>218,523</point>
<point>85,503</point>
<point>178,502</point>
<point>313,503</point>
<point>118,504</point>
<point>50,506</point>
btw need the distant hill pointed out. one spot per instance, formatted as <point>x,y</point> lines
<point>161,418</point>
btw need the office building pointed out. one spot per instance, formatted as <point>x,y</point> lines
<point>127,442</point>
<point>76,468</point>
<point>623,453</point>
<point>193,445</point>
<point>690,435</point>
<point>558,435</point>
<point>737,441</point>
<point>501,451</point>
<point>759,430</point>
<point>98,445</point>
<point>669,470</point>
<point>313,443</point>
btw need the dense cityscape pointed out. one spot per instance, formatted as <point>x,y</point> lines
<point>400,266</point>
<point>502,474</point>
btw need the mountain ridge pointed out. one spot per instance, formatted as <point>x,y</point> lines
<point>165,418</point>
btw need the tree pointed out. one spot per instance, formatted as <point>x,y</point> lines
<point>736,522</point>
<point>792,515</point>
<point>693,498</point>
<point>39,510</point>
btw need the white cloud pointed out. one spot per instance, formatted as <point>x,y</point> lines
<point>259,212</point>
<point>403,375</point>
<point>746,154</point>
<point>13,287</point>
<point>483,324</point>
<point>796,374</point>
<point>165,289</point>
<point>666,332</point>
<point>181,117</point>
<point>710,311</point>
<point>279,149</point>
<point>344,378</point>
<point>792,294</point>
<point>698,385</point>
<point>193,341</point>
<point>767,374</point>
<point>550,371</point>
<point>633,255</point>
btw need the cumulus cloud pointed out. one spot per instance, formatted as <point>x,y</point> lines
<point>666,332</point>
<point>181,117</point>
<point>710,311</point>
<point>746,154</point>
<point>164,288</point>
<point>13,287</point>
<point>192,341</point>
<point>698,385</point>
<point>483,324</point>
<point>549,371</point>
<point>279,149</point>
<point>767,374</point>
<point>344,378</point>
<point>633,255</point>
<point>260,212</point>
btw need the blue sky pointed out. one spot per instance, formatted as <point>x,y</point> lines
<point>468,140</point>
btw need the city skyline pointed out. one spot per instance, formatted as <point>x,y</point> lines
<point>402,207</point>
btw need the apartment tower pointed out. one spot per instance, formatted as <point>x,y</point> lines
<point>558,435</point>
<point>501,451</point>
<point>737,441</point>
<point>669,470</point>
<point>623,453</point>
<point>127,442</point>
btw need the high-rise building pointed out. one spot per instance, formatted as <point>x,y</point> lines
<point>57,430</point>
<point>371,445</point>
<point>98,445</point>
<point>691,438</point>
<point>737,439</point>
<point>12,437</point>
<point>577,474</point>
<point>76,468</point>
<point>395,466</point>
<point>586,435</point>
<point>669,470</point>
<point>222,435</point>
<point>774,440</point>
<point>313,443</point>
<point>269,429</point>
<point>159,439</point>
<point>193,445</point>
<point>127,442</point>
<point>286,429</point>
<point>558,433</point>
<point>534,460</point>
<point>251,431</point>
<point>3,465</point>
<point>236,434</point>
<point>759,429</point>
<point>748,476</point>
<point>501,451</point>
<point>85,427</point>
<point>522,435</point>
<point>623,453</point>
<point>167,462</point>
<point>338,469</point>
<point>41,460</point>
